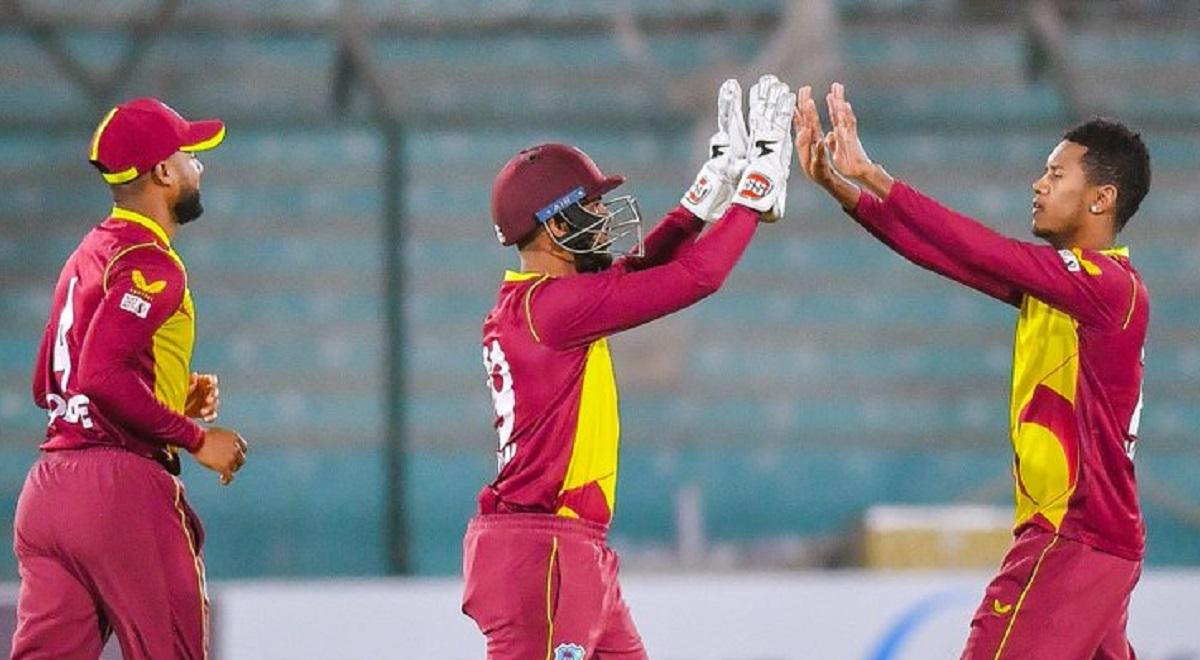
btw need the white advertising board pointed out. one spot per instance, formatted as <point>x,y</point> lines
<point>769,616</point>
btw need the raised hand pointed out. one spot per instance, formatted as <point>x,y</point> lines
<point>709,195</point>
<point>849,156</point>
<point>813,147</point>
<point>731,139</point>
<point>810,140</point>
<point>764,184</point>
<point>203,397</point>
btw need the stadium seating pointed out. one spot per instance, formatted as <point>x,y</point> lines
<point>828,375</point>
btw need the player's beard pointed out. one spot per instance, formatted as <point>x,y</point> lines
<point>188,207</point>
<point>593,262</point>
<point>587,261</point>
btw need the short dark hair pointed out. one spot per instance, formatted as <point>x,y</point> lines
<point>1115,155</point>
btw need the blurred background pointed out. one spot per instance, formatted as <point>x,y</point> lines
<point>831,407</point>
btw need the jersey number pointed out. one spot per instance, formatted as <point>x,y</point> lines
<point>1135,421</point>
<point>75,409</point>
<point>504,400</point>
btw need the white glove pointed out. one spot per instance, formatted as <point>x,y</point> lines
<point>710,195</point>
<point>763,186</point>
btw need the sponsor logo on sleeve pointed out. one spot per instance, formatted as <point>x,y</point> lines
<point>568,652</point>
<point>1070,260</point>
<point>136,305</point>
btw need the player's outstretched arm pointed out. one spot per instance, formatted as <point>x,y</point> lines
<point>996,264</point>
<point>831,160</point>
<point>711,192</point>
<point>575,311</point>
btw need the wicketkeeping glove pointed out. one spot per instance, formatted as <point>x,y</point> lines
<point>763,186</point>
<point>710,195</point>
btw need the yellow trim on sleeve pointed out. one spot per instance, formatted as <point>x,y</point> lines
<point>94,152</point>
<point>206,144</point>
<point>529,309</point>
<point>1132,301</point>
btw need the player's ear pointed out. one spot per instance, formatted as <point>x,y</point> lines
<point>557,227</point>
<point>1104,199</point>
<point>161,174</point>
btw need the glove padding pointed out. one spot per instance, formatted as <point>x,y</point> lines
<point>763,186</point>
<point>712,191</point>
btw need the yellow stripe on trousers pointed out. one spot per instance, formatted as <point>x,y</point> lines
<point>196,562</point>
<point>550,599</point>
<point>1021,599</point>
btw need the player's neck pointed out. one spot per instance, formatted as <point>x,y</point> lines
<point>155,209</point>
<point>1089,237</point>
<point>543,255</point>
<point>548,262</point>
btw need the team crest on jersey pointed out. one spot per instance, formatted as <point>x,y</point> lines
<point>568,652</point>
<point>1070,260</point>
<point>136,305</point>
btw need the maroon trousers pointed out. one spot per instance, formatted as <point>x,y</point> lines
<point>541,586</point>
<point>105,542</point>
<point>1055,599</point>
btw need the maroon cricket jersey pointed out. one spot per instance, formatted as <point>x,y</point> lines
<point>545,351</point>
<point>113,367</point>
<point>1077,362</point>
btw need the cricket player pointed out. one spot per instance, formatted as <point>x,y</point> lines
<point>541,582</point>
<point>1063,588</point>
<point>105,540</point>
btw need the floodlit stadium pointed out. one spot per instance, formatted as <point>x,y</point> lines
<point>815,462</point>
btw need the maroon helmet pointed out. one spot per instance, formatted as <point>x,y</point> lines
<point>547,180</point>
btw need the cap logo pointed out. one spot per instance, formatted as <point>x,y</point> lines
<point>555,207</point>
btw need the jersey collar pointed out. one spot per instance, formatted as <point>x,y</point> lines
<point>521,276</point>
<point>1118,251</point>
<point>139,219</point>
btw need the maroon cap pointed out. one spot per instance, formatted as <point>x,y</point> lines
<point>137,135</point>
<point>541,181</point>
